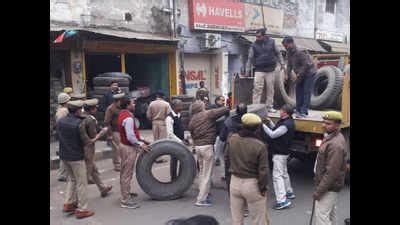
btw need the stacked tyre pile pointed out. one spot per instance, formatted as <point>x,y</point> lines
<point>101,85</point>
<point>326,89</point>
<point>187,101</point>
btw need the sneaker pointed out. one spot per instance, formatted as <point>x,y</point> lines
<point>271,110</point>
<point>130,204</point>
<point>290,195</point>
<point>282,205</point>
<point>105,192</point>
<point>205,203</point>
<point>83,214</point>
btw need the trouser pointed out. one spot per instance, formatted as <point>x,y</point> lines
<point>227,177</point>
<point>303,94</point>
<point>116,151</point>
<point>159,130</point>
<point>245,190</point>
<point>77,184</point>
<point>325,209</point>
<point>259,79</point>
<point>219,152</point>
<point>128,158</point>
<point>205,154</point>
<point>91,167</point>
<point>61,172</point>
<point>174,168</point>
<point>280,177</point>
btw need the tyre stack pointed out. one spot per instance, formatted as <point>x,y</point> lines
<point>187,101</point>
<point>101,85</point>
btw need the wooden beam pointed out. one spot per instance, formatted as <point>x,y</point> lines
<point>109,46</point>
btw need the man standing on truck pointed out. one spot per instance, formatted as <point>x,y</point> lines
<point>302,64</point>
<point>247,157</point>
<point>203,129</point>
<point>330,169</point>
<point>130,145</point>
<point>111,121</point>
<point>280,137</point>
<point>263,55</point>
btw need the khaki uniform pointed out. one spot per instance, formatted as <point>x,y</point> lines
<point>157,112</point>
<point>61,112</point>
<point>205,155</point>
<point>259,79</point>
<point>128,159</point>
<point>77,184</point>
<point>111,120</point>
<point>88,130</point>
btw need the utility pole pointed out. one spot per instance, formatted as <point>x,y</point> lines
<point>315,19</point>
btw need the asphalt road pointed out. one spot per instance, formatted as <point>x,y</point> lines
<point>108,211</point>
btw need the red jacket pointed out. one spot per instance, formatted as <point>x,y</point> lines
<point>122,116</point>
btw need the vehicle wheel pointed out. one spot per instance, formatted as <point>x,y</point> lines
<point>285,91</point>
<point>326,88</point>
<point>156,189</point>
<point>106,81</point>
<point>278,98</point>
<point>101,90</point>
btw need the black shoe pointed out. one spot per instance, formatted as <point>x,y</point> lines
<point>62,179</point>
<point>217,162</point>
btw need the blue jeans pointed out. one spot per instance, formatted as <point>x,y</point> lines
<point>303,94</point>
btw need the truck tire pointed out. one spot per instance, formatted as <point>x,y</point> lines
<point>278,98</point>
<point>326,87</point>
<point>106,81</point>
<point>166,191</point>
<point>100,90</point>
<point>286,91</point>
<point>116,75</point>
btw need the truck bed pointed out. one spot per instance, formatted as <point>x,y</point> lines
<point>311,124</point>
<point>313,115</point>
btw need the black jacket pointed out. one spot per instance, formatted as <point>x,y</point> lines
<point>231,125</point>
<point>281,144</point>
<point>71,146</point>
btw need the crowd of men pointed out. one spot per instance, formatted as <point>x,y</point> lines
<point>241,143</point>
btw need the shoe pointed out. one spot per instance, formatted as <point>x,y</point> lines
<point>105,192</point>
<point>208,198</point>
<point>90,182</point>
<point>290,195</point>
<point>62,179</point>
<point>300,115</point>
<point>70,208</point>
<point>83,214</point>
<point>246,212</point>
<point>205,203</point>
<point>217,162</point>
<point>272,110</point>
<point>117,169</point>
<point>133,194</point>
<point>282,205</point>
<point>130,204</point>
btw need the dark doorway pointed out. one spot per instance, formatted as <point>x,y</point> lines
<point>97,63</point>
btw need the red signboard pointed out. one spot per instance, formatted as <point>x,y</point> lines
<point>221,15</point>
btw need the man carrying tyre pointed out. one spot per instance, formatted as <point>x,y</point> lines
<point>130,145</point>
<point>301,63</point>
<point>203,129</point>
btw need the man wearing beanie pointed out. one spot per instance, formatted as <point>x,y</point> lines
<point>203,130</point>
<point>72,155</point>
<point>247,157</point>
<point>329,169</point>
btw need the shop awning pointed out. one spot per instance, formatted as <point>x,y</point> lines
<point>338,47</point>
<point>304,43</point>
<point>116,33</point>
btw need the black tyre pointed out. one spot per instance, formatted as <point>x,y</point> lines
<point>116,75</point>
<point>326,87</point>
<point>99,90</point>
<point>285,92</point>
<point>106,81</point>
<point>160,190</point>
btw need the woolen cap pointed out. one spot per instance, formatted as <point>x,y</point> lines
<point>63,98</point>
<point>251,119</point>
<point>333,115</point>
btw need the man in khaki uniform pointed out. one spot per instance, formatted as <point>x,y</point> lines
<point>157,112</point>
<point>111,121</point>
<point>330,170</point>
<point>72,155</point>
<point>62,111</point>
<point>89,135</point>
<point>247,159</point>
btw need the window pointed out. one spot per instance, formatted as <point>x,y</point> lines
<point>330,6</point>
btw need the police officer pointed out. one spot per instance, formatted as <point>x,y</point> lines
<point>89,135</point>
<point>62,111</point>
